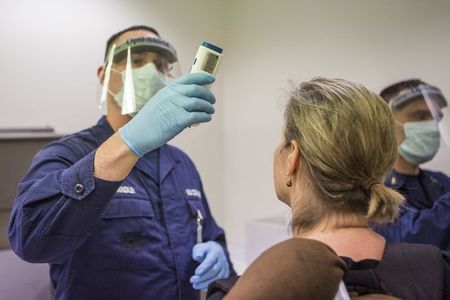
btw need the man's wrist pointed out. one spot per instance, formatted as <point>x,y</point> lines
<point>127,141</point>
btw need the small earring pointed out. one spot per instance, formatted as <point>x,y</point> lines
<point>289,183</point>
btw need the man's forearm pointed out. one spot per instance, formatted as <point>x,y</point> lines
<point>114,160</point>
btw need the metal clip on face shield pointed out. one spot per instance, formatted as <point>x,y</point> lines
<point>436,103</point>
<point>133,54</point>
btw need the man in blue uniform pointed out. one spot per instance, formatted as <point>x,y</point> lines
<point>425,217</point>
<point>116,212</point>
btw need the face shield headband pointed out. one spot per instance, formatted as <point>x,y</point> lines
<point>436,103</point>
<point>423,91</point>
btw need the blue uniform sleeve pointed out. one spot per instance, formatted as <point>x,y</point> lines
<point>58,204</point>
<point>425,226</point>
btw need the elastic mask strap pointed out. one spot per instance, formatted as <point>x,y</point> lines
<point>116,71</point>
<point>111,93</point>
<point>391,105</point>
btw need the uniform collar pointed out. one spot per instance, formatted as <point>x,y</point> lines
<point>166,163</point>
<point>102,130</point>
<point>397,180</point>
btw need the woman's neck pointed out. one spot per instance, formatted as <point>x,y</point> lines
<point>358,243</point>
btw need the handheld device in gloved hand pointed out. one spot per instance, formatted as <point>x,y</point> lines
<point>182,103</point>
<point>207,60</point>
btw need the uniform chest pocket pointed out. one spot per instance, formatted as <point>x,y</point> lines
<point>129,237</point>
<point>128,208</point>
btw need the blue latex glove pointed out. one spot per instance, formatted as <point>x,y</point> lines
<point>180,104</point>
<point>213,264</point>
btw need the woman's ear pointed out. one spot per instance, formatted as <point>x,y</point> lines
<point>101,74</point>
<point>293,158</point>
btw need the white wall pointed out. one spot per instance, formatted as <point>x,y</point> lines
<point>270,42</point>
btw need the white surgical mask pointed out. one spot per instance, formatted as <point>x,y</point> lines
<point>421,143</point>
<point>147,82</point>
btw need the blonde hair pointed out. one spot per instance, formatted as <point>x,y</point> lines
<point>347,144</point>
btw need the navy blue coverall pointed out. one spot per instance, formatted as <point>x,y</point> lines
<point>112,240</point>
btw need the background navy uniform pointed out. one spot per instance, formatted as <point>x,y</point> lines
<point>425,215</point>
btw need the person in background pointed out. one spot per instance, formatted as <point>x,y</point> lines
<point>425,217</point>
<point>113,209</point>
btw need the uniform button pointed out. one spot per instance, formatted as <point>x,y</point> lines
<point>79,188</point>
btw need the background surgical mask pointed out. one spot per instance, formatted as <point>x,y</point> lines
<point>422,141</point>
<point>147,81</point>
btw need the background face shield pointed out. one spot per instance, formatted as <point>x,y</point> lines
<point>437,104</point>
<point>136,70</point>
<point>431,106</point>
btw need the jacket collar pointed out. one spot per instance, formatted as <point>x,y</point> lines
<point>166,163</point>
<point>397,180</point>
<point>102,130</point>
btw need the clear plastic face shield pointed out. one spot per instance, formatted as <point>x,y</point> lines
<point>425,103</point>
<point>439,110</point>
<point>136,70</point>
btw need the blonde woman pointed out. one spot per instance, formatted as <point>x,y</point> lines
<point>337,145</point>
